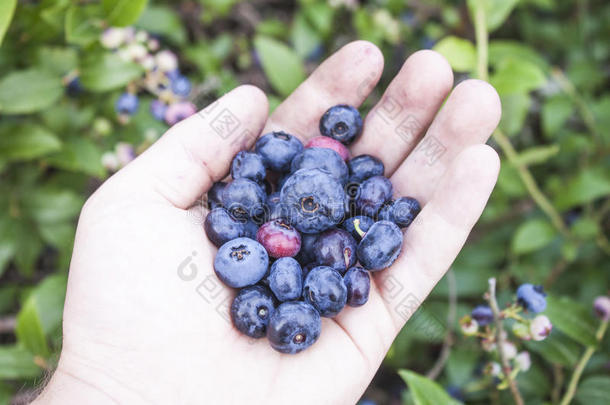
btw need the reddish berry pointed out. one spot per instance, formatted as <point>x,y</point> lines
<point>329,143</point>
<point>279,238</point>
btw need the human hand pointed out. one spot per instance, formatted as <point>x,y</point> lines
<point>144,320</point>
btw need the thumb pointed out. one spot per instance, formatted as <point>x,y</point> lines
<point>193,154</point>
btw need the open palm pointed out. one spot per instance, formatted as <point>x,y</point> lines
<point>146,319</point>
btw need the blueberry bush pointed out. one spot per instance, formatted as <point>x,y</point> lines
<point>85,86</point>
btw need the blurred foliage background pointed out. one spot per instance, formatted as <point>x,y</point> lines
<point>547,222</point>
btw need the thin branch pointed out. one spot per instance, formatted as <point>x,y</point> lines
<point>506,369</point>
<point>439,365</point>
<point>582,363</point>
<point>480,25</point>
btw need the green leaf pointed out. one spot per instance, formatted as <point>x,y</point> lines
<point>594,390</point>
<point>514,111</point>
<point>51,205</point>
<point>556,348</point>
<point>461,365</point>
<point>120,13</point>
<point>29,330</point>
<point>532,235</point>
<point>26,141</point>
<point>107,71</point>
<point>424,390</point>
<point>496,11</point>
<point>460,53</point>
<point>83,24</point>
<point>16,362</point>
<point>304,37</point>
<point>283,67</point>
<point>588,185</point>
<point>517,76</point>
<point>8,244</point>
<point>555,112</point>
<point>28,91</point>
<point>79,155</point>
<point>536,155</point>
<point>57,59</point>
<point>572,318</point>
<point>510,182</point>
<point>28,247</point>
<point>321,17</point>
<point>7,10</point>
<point>164,21</point>
<point>41,314</point>
<point>585,228</point>
<point>501,50</point>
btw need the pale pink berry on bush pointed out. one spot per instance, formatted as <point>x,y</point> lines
<point>166,61</point>
<point>148,62</point>
<point>153,44</point>
<point>523,361</point>
<point>601,307</point>
<point>509,349</point>
<point>125,153</point>
<point>141,36</point>
<point>110,161</point>
<point>112,38</point>
<point>179,111</point>
<point>137,51</point>
<point>469,326</point>
<point>540,327</point>
<point>522,331</point>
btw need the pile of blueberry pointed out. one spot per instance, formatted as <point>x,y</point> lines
<point>293,225</point>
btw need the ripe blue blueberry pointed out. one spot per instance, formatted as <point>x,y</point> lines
<point>293,327</point>
<point>362,222</point>
<point>286,279</point>
<point>482,314</point>
<point>307,254</point>
<point>402,211</point>
<point>248,165</point>
<point>278,149</point>
<point>215,194</point>
<point>358,283</point>
<point>531,297</point>
<point>252,309</point>
<point>325,290</point>
<point>241,262</point>
<point>243,198</point>
<point>341,122</point>
<point>373,193</point>
<point>314,199</point>
<point>321,158</point>
<point>220,227</point>
<point>158,109</point>
<point>337,249</point>
<point>74,87</point>
<point>363,167</point>
<point>181,86</point>
<point>380,246</point>
<point>127,103</point>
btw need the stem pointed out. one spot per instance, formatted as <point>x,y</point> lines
<point>357,227</point>
<point>493,304</point>
<point>480,28</point>
<point>439,365</point>
<point>582,363</point>
<point>586,113</point>
<point>526,176</point>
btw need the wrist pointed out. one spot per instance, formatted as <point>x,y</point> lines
<point>73,382</point>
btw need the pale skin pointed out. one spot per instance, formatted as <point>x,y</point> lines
<point>137,333</point>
